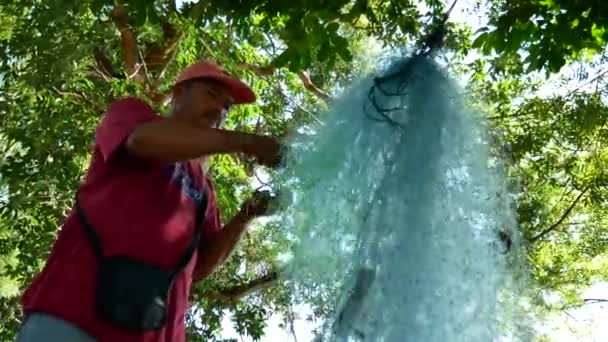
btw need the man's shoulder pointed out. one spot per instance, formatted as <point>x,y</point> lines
<point>131,104</point>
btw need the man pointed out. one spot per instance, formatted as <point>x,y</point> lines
<point>141,196</point>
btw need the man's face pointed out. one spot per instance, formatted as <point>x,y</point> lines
<point>205,103</point>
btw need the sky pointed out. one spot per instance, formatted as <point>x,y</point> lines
<point>587,324</point>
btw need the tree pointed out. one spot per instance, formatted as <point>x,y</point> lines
<point>555,144</point>
<point>63,61</point>
<point>547,33</point>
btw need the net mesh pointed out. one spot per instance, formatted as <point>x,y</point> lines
<point>398,209</point>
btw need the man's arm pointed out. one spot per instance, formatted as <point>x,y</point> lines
<point>219,246</point>
<point>173,141</point>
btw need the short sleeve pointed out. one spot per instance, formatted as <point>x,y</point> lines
<point>118,123</point>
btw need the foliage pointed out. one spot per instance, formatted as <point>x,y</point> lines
<point>555,146</point>
<point>63,61</point>
<point>548,33</point>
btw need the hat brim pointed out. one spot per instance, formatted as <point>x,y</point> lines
<point>240,91</point>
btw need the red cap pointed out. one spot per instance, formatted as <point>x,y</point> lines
<point>241,92</point>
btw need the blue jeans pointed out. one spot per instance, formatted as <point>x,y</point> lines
<point>40,327</point>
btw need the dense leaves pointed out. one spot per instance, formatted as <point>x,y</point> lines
<point>63,61</point>
<point>545,33</point>
<point>555,145</point>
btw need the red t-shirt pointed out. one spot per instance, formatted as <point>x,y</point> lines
<point>140,209</point>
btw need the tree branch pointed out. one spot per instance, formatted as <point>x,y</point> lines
<point>586,301</point>
<point>78,95</point>
<point>148,68</point>
<point>130,50</point>
<point>600,75</point>
<point>264,71</point>
<point>160,55</point>
<point>104,64</point>
<point>238,292</point>
<point>595,300</point>
<point>160,99</point>
<point>305,78</point>
<point>158,60</point>
<point>561,219</point>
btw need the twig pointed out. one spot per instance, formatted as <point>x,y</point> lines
<point>167,61</point>
<point>596,78</point>
<point>77,95</point>
<point>305,78</point>
<point>160,55</point>
<point>274,48</point>
<point>128,40</point>
<point>161,99</point>
<point>98,73</point>
<point>240,291</point>
<point>586,301</point>
<point>104,64</point>
<point>264,71</point>
<point>257,177</point>
<point>292,329</point>
<point>595,300</point>
<point>561,219</point>
<point>135,74</point>
<point>147,73</point>
<point>298,106</point>
<point>570,315</point>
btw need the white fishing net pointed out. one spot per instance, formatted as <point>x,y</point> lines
<point>397,208</point>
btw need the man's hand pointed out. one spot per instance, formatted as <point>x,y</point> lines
<point>267,151</point>
<point>222,243</point>
<point>257,206</point>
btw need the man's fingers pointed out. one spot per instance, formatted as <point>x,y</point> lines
<point>260,202</point>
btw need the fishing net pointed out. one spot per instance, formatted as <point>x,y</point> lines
<point>398,210</point>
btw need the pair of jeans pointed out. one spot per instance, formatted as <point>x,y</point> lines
<point>40,327</point>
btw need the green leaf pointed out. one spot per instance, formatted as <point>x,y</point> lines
<point>333,27</point>
<point>324,52</point>
<point>284,58</point>
<point>97,5</point>
<point>480,40</point>
<point>555,62</point>
<point>481,30</point>
<point>304,61</point>
<point>342,48</point>
<point>151,15</point>
<point>52,95</point>
<point>141,13</point>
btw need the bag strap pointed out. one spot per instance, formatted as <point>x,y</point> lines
<point>88,229</point>
<point>184,260</point>
<point>194,243</point>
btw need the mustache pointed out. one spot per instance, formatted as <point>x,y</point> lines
<point>216,117</point>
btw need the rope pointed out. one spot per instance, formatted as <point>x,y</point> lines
<point>434,41</point>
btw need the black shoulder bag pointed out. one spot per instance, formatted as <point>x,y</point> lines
<point>130,293</point>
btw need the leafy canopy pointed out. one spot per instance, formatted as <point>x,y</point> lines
<point>63,61</point>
